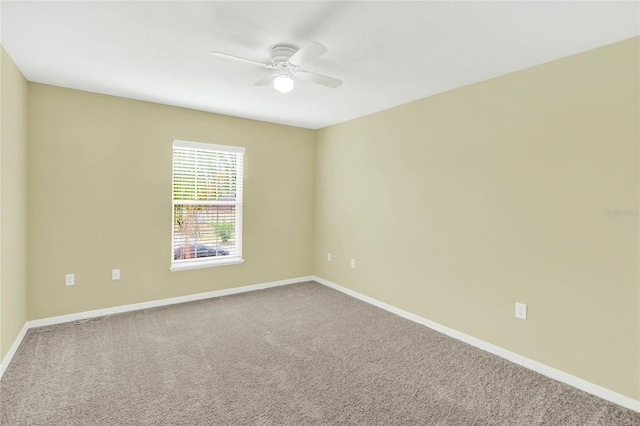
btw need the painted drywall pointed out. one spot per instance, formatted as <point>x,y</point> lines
<point>13,202</point>
<point>100,198</point>
<point>523,188</point>
<point>2,354</point>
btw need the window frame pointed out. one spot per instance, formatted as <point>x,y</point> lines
<point>208,262</point>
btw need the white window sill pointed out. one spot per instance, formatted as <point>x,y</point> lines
<point>209,263</point>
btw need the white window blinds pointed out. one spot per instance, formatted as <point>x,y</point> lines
<point>207,204</point>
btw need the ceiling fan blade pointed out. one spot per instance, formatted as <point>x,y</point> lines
<point>238,58</point>
<point>264,81</point>
<point>308,52</point>
<point>320,79</point>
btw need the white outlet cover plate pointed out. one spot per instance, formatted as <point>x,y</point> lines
<point>70,279</point>
<point>353,263</point>
<point>115,274</point>
<point>521,310</point>
<point>329,257</point>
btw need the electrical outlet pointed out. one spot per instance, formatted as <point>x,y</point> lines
<point>115,274</point>
<point>353,263</point>
<point>328,257</point>
<point>70,279</point>
<point>521,311</point>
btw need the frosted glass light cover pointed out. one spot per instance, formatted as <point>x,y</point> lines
<point>283,83</point>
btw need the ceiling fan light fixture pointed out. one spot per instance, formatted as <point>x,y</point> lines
<point>283,83</point>
<point>286,62</point>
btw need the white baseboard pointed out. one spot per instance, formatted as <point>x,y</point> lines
<point>12,351</point>
<point>162,302</point>
<point>137,306</point>
<point>543,369</point>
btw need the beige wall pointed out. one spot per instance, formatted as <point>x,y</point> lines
<point>458,205</point>
<point>100,198</point>
<point>13,202</point>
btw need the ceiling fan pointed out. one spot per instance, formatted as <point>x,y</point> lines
<point>286,61</point>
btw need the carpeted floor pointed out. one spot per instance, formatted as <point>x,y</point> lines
<point>301,354</point>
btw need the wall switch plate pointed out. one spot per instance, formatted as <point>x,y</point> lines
<point>329,257</point>
<point>353,263</point>
<point>521,311</point>
<point>115,274</point>
<point>70,279</point>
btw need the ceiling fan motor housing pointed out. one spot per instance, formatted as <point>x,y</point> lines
<point>280,53</point>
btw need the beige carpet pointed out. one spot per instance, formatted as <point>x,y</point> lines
<point>296,355</point>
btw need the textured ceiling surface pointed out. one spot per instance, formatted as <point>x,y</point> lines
<point>387,53</point>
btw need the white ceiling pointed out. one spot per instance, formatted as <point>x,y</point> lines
<point>388,53</point>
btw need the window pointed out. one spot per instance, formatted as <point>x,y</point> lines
<point>207,205</point>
